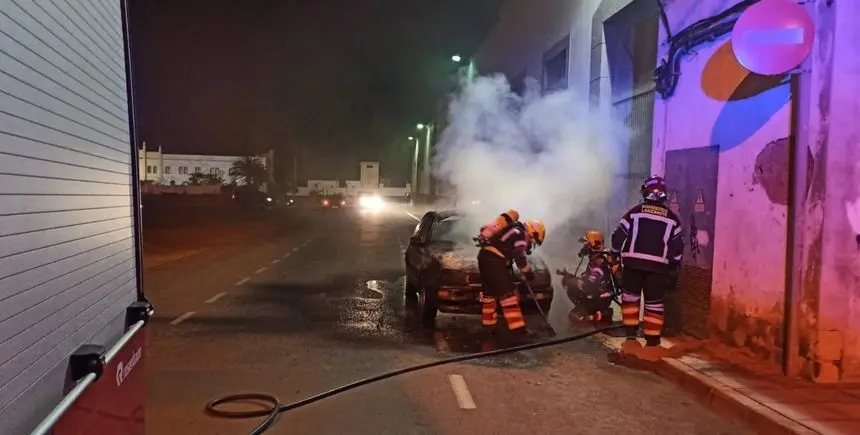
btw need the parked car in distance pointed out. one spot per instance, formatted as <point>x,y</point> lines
<point>333,201</point>
<point>250,197</point>
<point>442,269</point>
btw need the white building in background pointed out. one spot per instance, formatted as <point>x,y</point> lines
<point>368,183</point>
<point>176,169</point>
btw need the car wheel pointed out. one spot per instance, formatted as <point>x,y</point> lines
<point>428,307</point>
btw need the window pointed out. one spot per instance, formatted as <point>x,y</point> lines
<point>197,170</point>
<point>214,171</point>
<point>518,84</point>
<point>149,169</point>
<point>369,166</point>
<point>183,170</point>
<point>155,169</point>
<point>234,172</point>
<point>555,66</point>
<point>167,169</point>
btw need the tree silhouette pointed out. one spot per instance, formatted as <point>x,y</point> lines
<point>249,171</point>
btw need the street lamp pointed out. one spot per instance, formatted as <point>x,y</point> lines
<point>420,126</point>
<point>456,58</point>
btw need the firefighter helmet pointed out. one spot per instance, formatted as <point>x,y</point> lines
<point>593,240</point>
<point>537,230</point>
<point>654,188</point>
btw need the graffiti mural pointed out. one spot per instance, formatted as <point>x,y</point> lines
<point>691,176</point>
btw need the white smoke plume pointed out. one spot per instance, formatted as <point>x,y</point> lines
<point>551,156</point>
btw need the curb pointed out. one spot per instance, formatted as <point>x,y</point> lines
<point>724,399</point>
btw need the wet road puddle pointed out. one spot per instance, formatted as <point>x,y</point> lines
<point>465,335</point>
<point>373,312</point>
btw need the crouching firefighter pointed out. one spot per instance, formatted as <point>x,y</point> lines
<point>502,247</point>
<point>649,238</point>
<point>594,290</point>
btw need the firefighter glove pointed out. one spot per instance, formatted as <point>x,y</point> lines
<point>530,276</point>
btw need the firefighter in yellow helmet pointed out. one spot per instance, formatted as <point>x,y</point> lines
<point>500,248</point>
<point>593,291</point>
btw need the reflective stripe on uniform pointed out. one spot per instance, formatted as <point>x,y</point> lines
<point>630,314</point>
<point>488,313</point>
<point>513,315</point>
<point>494,251</point>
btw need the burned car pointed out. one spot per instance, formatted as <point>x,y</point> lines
<point>442,269</point>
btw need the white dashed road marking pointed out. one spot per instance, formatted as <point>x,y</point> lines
<point>461,391</point>
<point>412,216</point>
<point>182,318</point>
<point>260,270</point>
<point>242,281</point>
<point>276,261</point>
<point>216,297</point>
<point>286,255</point>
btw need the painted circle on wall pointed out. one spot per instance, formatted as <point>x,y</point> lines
<point>773,37</point>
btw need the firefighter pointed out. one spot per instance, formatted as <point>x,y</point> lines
<point>501,222</point>
<point>504,246</point>
<point>593,291</point>
<point>650,242</point>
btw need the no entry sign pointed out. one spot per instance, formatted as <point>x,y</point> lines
<point>773,37</point>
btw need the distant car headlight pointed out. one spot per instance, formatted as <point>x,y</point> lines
<point>268,199</point>
<point>373,202</point>
<point>343,203</point>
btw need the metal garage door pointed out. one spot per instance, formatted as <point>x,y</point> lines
<point>67,259</point>
<point>637,113</point>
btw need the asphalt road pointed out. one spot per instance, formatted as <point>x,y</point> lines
<point>321,304</point>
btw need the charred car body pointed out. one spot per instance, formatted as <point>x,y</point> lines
<point>442,269</point>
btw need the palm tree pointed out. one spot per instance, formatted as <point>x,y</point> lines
<point>250,171</point>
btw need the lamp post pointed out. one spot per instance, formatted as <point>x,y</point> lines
<point>471,69</point>
<point>424,182</point>
<point>414,168</point>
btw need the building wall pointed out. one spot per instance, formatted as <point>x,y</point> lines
<point>737,236</point>
<point>165,168</point>
<point>827,272</point>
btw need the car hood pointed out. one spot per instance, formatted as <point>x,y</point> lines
<point>465,258</point>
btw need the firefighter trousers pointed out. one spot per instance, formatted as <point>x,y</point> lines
<point>498,289</point>
<point>652,286</point>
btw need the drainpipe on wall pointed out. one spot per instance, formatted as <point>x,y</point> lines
<point>805,220</point>
<point>797,178</point>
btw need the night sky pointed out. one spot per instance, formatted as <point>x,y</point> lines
<point>334,81</point>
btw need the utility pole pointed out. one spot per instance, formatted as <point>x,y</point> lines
<point>295,168</point>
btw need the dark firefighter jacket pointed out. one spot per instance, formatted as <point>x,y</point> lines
<point>511,244</point>
<point>649,237</point>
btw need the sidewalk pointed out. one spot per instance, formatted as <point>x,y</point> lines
<point>752,392</point>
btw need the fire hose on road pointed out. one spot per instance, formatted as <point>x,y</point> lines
<point>276,407</point>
